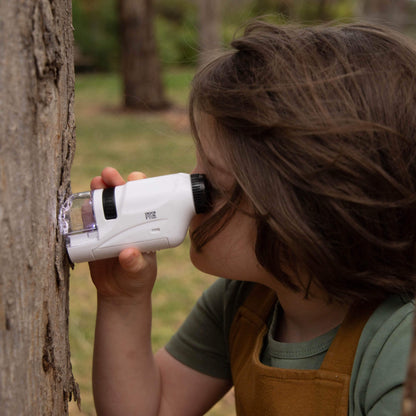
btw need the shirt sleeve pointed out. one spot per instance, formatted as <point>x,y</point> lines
<point>389,404</point>
<point>200,342</point>
<point>387,376</point>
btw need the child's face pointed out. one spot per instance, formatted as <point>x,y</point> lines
<point>230,253</point>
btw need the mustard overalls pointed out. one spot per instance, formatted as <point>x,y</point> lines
<point>261,390</point>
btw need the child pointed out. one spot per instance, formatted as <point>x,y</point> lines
<point>307,136</point>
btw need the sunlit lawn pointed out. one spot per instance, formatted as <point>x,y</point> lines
<point>157,144</point>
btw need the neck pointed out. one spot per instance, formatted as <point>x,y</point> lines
<point>304,319</point>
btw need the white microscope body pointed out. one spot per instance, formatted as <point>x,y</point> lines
<point>149,214</point>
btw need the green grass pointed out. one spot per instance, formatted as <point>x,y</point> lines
<point>156,144</point>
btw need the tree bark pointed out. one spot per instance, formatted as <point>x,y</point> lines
<point>209,21</point>
<point>36,149</point>
<point>141,71</point>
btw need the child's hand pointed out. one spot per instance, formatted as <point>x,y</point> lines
<point>131,274</point>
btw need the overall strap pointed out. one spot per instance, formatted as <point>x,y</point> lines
<point>341,353</point>
<point>260,300</point>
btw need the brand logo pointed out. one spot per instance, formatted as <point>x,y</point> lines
<point>150,215</point>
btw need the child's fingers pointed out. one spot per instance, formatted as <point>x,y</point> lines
<point>97,183</point>
<point>111,177</point>
<point>131,260</point>
<point>134,176</point>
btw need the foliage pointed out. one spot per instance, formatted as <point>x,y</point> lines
<point>176,25</point>
<point>311,11</point>
<point>96,34</point>
<point>177,38</point>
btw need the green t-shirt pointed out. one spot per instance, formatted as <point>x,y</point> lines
<point>380,363</point>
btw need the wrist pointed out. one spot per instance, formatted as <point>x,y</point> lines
<point>141,299</point>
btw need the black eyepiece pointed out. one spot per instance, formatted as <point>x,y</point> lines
<point>201,193</point>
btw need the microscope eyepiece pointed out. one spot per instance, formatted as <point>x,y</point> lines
<point>201,193</point>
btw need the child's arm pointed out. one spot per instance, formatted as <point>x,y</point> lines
<point>127,378</point>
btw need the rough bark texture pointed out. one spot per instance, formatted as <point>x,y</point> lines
<point>142,79</point>
<point>36,149</point>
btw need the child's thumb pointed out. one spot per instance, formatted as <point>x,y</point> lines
<point>131,260</point>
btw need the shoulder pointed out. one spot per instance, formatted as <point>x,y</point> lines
<point>230,294</point>
<point>223,298</point>
<point>202,341</point>
<point>380,365</point>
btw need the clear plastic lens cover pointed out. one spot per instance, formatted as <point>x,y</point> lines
<point>77,214</point>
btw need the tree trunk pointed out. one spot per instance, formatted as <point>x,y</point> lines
<point>209,21</point>
<point>142,79</point>
<point>393,12</point>
<point>36,149</point>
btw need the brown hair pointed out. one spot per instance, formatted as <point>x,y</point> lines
<point>318,127</point>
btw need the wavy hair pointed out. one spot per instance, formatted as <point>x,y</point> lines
<point>318,127</point>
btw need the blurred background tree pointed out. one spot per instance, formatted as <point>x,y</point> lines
<point>178,26</point>
<point>180,37</point>
<point>399,13</point>
<point>140,65</point>
<point>183,28</point>
<point>209,26</point>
